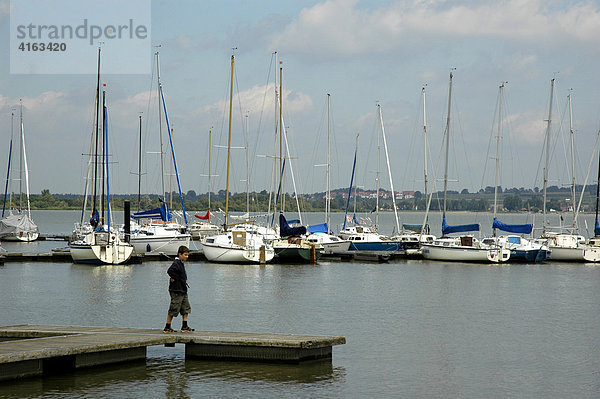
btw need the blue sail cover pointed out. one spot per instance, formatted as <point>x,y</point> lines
<point>318,228</point>
<point>162,213</point>
<point>447,229</point>
<point>286,231</point>
<point>512,228</point>
<point>597,228</point>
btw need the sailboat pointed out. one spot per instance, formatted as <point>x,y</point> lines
<point>464,248</point>
<point>366,238</point>
<point>564,245</point>
<point>155,231</point>
<point>203,226</point>
<point>592,251</point>
<point>18,226</point>
<point>320,234</point>
<point>103,245</point>
<point>521,249</point>
<point>235,245</point>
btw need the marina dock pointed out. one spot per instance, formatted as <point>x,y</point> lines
<point>28,350</point>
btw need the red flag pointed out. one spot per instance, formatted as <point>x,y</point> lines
<point>205,217</point>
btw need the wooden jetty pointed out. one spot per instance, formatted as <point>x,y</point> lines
<point>28,350</point>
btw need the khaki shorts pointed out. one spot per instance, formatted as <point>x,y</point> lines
<point>179,304</point>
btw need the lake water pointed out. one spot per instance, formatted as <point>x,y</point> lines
<point>414,329</point>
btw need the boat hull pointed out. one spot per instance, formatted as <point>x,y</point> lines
<point>567,254</point>
<point>528,255</point>
<point>160,245</point>
<point>100,249</point>
<point>223,254</point>
<point>464,254</point>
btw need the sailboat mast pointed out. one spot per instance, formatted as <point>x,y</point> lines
<point>24,151</point>
<point>103,153</point>
<point>282,196</point>
<point>572,136</point>
<point>377,177</point>
<point>425,141</point>
<point>247,170</point>
<point>596,225</point>
<point>501,89</point>
<point>447,144</point>
<point>171,178</point>
<point>387,159</point>
<point>21,161</point>
<point>6,186</point>
<point>140,167</point>
<point>328,199</point>
<point>229,144</point>
<point>95,179</point>
<point>162,163</point>
<point>209,163</point>
<point>549,122</point>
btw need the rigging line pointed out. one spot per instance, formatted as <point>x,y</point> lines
<point>408,166</point>
<point>490,140</point>
<point>262,111</point>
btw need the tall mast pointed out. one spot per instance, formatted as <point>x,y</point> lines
<point>328,198</point>
<point>387,159</point>
<point>425,141</point>
<point>140,167</point>
<point>377,179</point>
<point>21,160</point>
<point>596,225</point>
<point>282,196</point>
<point>229,144</point>
<point>209,163</point>
<point>95,179</point>
<point>501,89</point>
<point>7,184</point>
<point>171,177</point>
<point>162,163</point>
<point>447,143</point>
<point>247,170</point>
<point>572,136</point>
<point>104,153</point>
<point>24,152</point>
<point>549,122</point>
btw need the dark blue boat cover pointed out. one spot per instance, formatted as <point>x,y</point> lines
<point>447,229</point>
<point>318,228</point>
<point>286,231</point>
<point>597,229</point>
<point>512,228</point>
<point>162,213</point>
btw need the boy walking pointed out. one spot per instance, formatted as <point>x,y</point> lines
<point>178,287</point>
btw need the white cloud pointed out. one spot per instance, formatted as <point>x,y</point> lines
<point>527,128</point>
<point>262,97</point>
<point>342,28</point>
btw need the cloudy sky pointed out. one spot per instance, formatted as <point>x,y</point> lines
<point>362,53</point>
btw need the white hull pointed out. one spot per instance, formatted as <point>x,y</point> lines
<point>567,254</point>
<point>237,247</point>
<point>160,245</point>
<point>464,254</point>
<point>22,236</point>
<point>100,248</point>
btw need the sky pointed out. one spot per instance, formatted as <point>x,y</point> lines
<point>363,54</point>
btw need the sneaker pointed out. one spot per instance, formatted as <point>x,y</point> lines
<point>168,330</point>
<point>187,329</point>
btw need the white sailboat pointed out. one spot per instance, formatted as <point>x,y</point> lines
<point>18,226</point>
<point>463,248</point>
<point>564,245</point>
<point>155,231</point>
<point>235,245</point>
<point>103,245</point>
<point>321,234</point>
<point>521,249</point>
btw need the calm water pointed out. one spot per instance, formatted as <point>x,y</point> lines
<point>413,328</point>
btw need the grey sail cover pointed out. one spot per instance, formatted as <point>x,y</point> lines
<point>17,224</point>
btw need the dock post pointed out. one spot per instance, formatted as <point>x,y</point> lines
<point>127,219</point>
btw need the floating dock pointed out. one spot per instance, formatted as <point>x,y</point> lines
<point>28,350</point>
